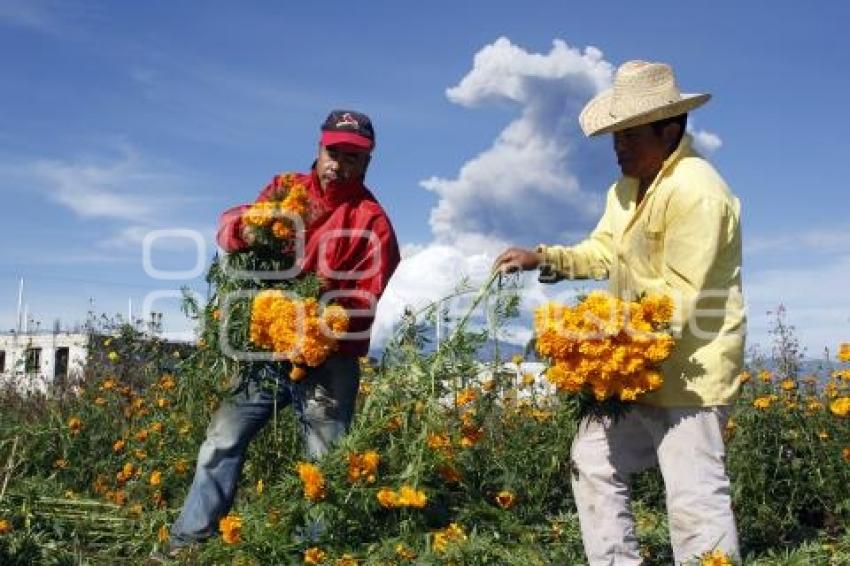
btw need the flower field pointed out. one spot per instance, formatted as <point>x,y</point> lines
<point>451,460</point>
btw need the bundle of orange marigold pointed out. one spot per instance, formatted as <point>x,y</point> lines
<point>297,329</point>
<point>605,347</point>
<point>275,221</point>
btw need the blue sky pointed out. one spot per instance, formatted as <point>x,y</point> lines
<point>124,118</point>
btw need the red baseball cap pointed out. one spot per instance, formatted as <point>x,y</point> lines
<point>350,130</point>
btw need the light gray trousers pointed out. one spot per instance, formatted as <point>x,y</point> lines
<point>687,445</point>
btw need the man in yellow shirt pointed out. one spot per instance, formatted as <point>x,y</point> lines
<point>671,225</point>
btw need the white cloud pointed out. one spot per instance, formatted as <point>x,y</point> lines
<point>706,142</point>
<point>27,14</point>
<point>538,180</point>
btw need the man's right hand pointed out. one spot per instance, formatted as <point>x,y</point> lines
<point>247,234</point>
<point>517,259</point>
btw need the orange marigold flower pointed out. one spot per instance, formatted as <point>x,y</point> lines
<point>118,445</point>
<point>466,396</point>
<point>313,480</point>
<point>167,382</point>
<point>411,497</point>
<point>142,435</point>
<point>387,497</point>
<point>363,466</point>
<point>162,535</point>
<point>231,528</point>
<point>155,478</point>
<point>744,376</point>
<point>156,426</point>
<point>450,474</point>
<point>844,352</point>
<point>297,373</point>
<point>762,402</point>
<point>438,441</point>
<point>788,384</point>
<point>281,230</point>
<point>314,555</point>
<point>5,526</point>
<point>505,499</point>
<point>345,560</point>
<point>75,425</point>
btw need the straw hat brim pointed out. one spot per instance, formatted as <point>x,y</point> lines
<point>596,117</point>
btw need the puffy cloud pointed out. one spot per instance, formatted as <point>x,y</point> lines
<point>706,142</point>
<point>539,179</point>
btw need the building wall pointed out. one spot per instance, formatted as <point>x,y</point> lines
<point>16,345</point>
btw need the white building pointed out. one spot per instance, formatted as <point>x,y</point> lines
<point>34,361</point>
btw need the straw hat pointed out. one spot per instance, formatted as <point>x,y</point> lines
<point>643,92</point>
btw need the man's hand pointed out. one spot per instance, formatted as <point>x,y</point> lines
<point>517,259</point>
<point>247,234</point>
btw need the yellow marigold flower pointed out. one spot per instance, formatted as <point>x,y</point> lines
<point>155,478</point>
<point>505,499</point>
<point>517,359</point>
<point>411,497</point>
<point>840,406</point>
<point>142,435</point>
<point>259,214</point>
<point>387,497</point>
<point>231,528</point>
<point>162,402</point>
<point>715,557</point>
<point>314,555</point>
<point>528,379</point>
<point>140,454</point>
<point>297,373</point>
<point>844,352</point>
<point>167,382</point>
<point>113,356</point>
<point>162,534</point>
<point>75,425</point>
<point>814,405</point>
<point>118,497</point>
<point>404,552</point>
<point>765,376</point>
<point>466,396</point>
<point>451,534</point>
<point>313,480</point>
<point>345,560</point>
<point>762,402</point>
<point>744,376</point>
<point>788,384</point>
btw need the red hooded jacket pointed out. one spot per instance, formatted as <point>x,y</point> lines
<point>349,243</point>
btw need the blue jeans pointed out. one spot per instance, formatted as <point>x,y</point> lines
<point>324,403</point>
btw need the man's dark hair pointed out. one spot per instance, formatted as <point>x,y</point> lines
<point>659,125</point>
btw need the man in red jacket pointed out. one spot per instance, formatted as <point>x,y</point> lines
<point>351,246</point>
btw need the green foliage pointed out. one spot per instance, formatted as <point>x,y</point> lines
<point>488,446</point>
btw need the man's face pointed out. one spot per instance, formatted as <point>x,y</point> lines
<point>335,164</point>
<point>641,151</point>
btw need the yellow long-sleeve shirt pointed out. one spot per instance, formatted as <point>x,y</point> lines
<point>684,240</point>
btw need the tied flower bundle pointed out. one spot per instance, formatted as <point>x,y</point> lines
<point>605,351</point>
<point>259,302</point>
<point>296,329</point>
<point>274,222</point>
